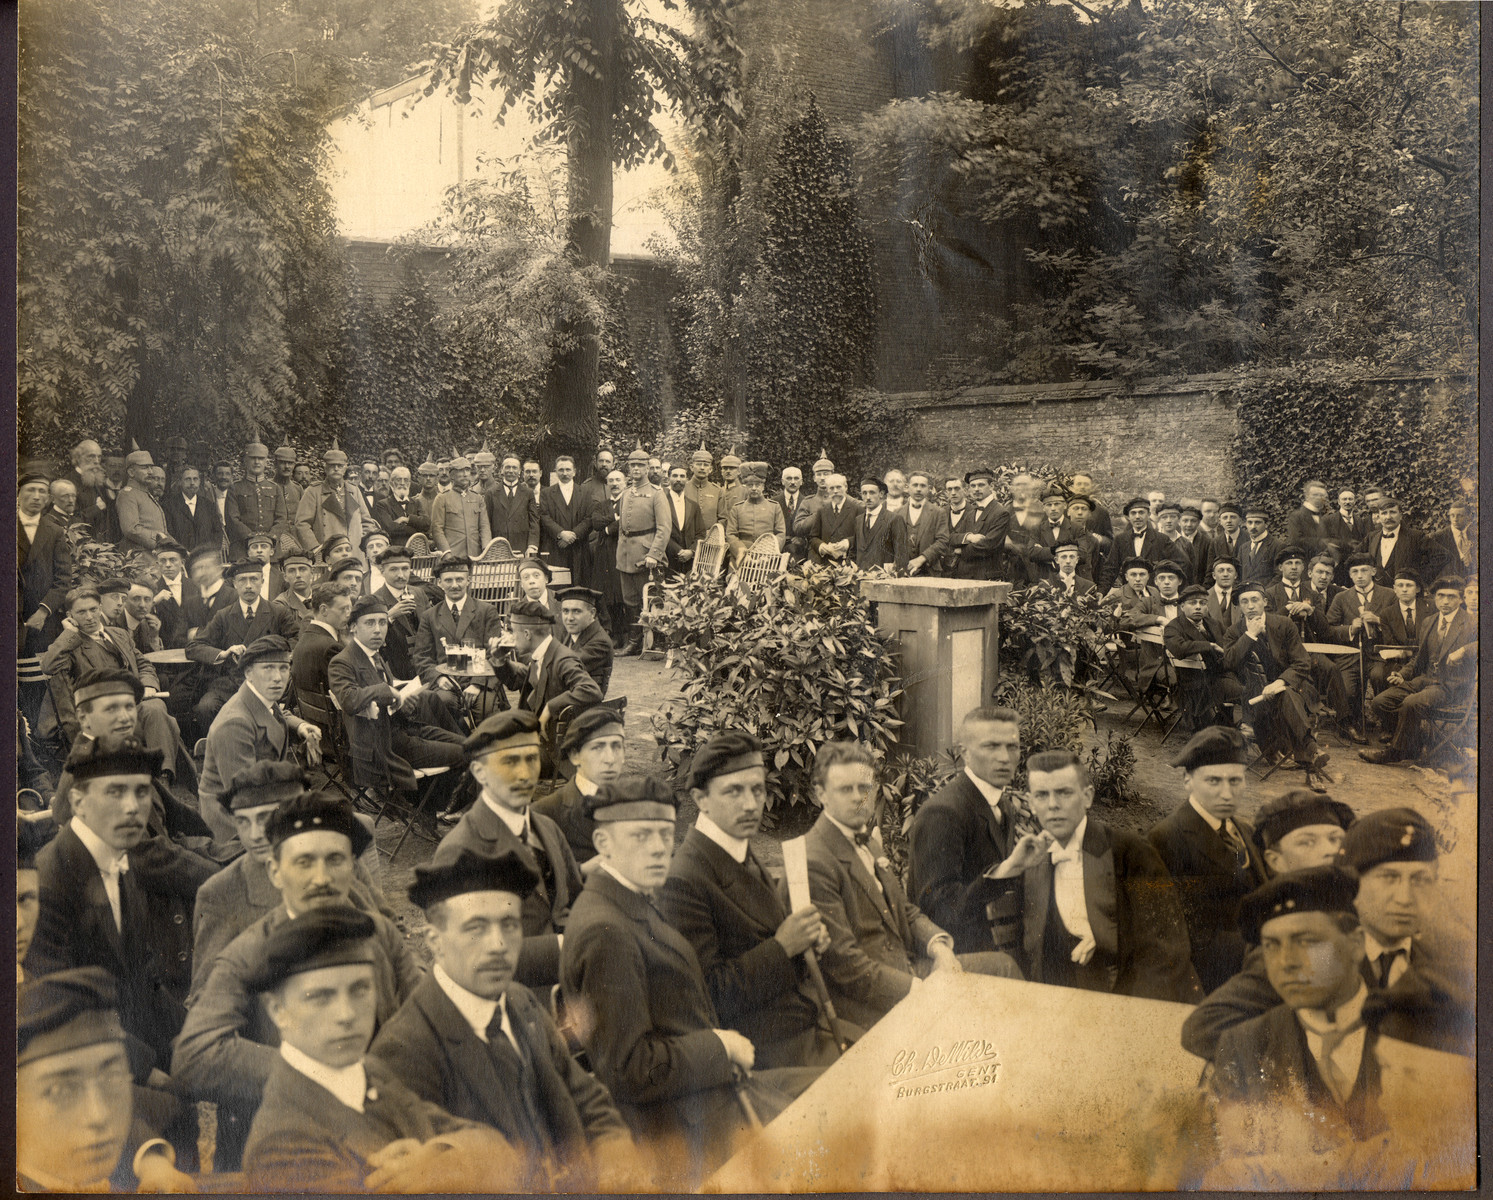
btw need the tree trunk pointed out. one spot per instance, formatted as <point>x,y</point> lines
<point>568,413</point>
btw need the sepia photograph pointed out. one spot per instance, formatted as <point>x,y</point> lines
<point>747,596</point>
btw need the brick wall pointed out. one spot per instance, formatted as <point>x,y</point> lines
<point>1173,436</point>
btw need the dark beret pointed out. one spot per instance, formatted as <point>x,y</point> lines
<point>1407,573</point>
<point>1068,545</point>
<point>129,757</point>
<point>364,605</point>
<point>1191,508</point>
<point>346,563</point>
<point>259,535</point>
<point>1087,501</point>
<point>1225,560</point>
<point>979,473</point>
<point>1211,746</point>
<point>586,726</point>
<point>390,553</point>
<point>295,554</point>
<point>534,564</point>
<point>108,681</point>
<point>529,612</point>
<point>269,648</point>
<point>267,781</point>
<point>332,936</point>
<point>204,552</point>
<point>1169,506</point>
<point>1230,507</point>
<point>31,477</point>
<point>1389,835</point>
<point>1167,567</point>
<point>468,871</point>
<point>1359,560</point>
<point>317,812</point>
<point>499,728</point>
<point>1286,553</point>
<point>1245,588</point>
<point>1136,502</point>
<point>172,546</point>
<point>451,561</point>
<point>577,591</point>
<point>1256,510</point>
<point>633,798</point>
<point>1448,583</point>
<point>243,567</point>
<point>30,838</point>
<point>732,750</point>
<point>1132,564</point>
<point>1295,809</point>
<point>112,585</point>
<point>874,482</point>
<point>374,533</point>
<point>1420,1010</point>
<point>1316,889</point>
<point>64,1011</point>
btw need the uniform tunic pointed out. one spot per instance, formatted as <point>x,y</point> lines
<point>458,522</point>
<point>749,520</point>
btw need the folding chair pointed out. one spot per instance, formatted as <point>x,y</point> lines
<point>322,711</point>
<point>1178,665</point>
<point>1452,728</point>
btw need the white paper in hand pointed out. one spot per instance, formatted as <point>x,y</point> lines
<point>411,689</point>
<point>796,872</point>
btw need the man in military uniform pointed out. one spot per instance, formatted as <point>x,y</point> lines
<point>733,491</point>
<point>256,505</point>
<point>325,507</point>
<point>285,478</point>
<point>142,521</point>
<point>484,462</point>
<point>753,516</point>
<point>699,488</point>
<point>458,518</point>
<point>643,535</point>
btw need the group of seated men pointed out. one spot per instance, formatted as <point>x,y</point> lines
<point>610,1006</point>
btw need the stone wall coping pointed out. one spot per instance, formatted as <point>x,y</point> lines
<point>936,593</point>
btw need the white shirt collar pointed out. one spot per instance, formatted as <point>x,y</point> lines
<point>517,822</point>
<point>849,833</point>
<point>1377,949</point>
<point>1315,1019</point>
<point>991,793</point>
<point>873,513</point>
<point>476,1010</point>
<point>30,523</point>
<point>537,658</point>
<point>348,1084</point>
<point>372,654</point>
<point>625,882</point>
<point>1076,840</point>
<point>585,786</point>
<point>734,846</point>
<point>190,502</point>
<point>1213,821</point>
<point>108,859</point>
<point>336,637</point>
<point>259,694</point>
<point>1389,537</point>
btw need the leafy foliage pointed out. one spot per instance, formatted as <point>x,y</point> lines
<point>1414,437</point>
<point>798,664</point>
<point>1047,634</point>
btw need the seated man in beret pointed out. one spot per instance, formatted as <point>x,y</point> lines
<point>219,645</point>
<point>1208,850</point>
<point>503,756</point>
<point>78,1127</point>
<point>459,619</point>
<point>735,915</point>
<point>1302,1076</point>
<point>481,1046</point>
<point>1290,595</point>
<point>386,740</point>
<point>881,944</point>
<point>1207,694</point>
<point>332,1118</point>
<point>1393,852</point>
<point>642,1006</point>
<point>295,568</point>
<point>549,676</point>
<point>242,892</point>
<point>595,747</point>
<point>1266,653</point>
<point>253,725</point>
<point>226,1048</point>
<point>1443,671</point>
<point>584,634</point>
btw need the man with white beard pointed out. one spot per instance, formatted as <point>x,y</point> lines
<point>397,513</point>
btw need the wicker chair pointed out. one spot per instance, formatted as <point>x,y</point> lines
<point>495,575</point>
<point>760,565</point>
<point>423,560</point>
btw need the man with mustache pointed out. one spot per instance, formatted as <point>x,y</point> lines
<point>397,512</point>
<point>142,521</point>
<point>285,469</point>
<point>483,1048</point>
<point>227,1047</point>
<point>331,506</point>
<point>94,505</point>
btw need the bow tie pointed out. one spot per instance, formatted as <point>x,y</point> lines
<point>862,837</point>
<point>1060,854</point>
<point>120,866</point>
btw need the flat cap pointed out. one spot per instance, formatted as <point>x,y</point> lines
<point>64,1011</point>
<point>373,534</point>
<point>1316,889</point>
<point>113,585</point>
<point>269,648</point>
<point>1068,544</point>
<point>731,750</point>
<point>448,875</point>
<point>1408,573</point>
<point>872,481</point>
<point>1225,560</point>
<point>577,591</point>
<point>510,725</point>
<point>529,612</point>
<point>172,546</point>
<point>110,681</point>
<point>243,566</point>
<point>31,477</point>
<point>1210,747</point>
<point>364,605</point>
<point>1389,835</point>
<point>535,564</point>
<point>754,470</point>
<point>1287,553</point>
<point>1256,510</point>
<point>267,781</point>
<point>1297,809</point>
<point>451,561</point>
<point>1167,567</point>
<point>1169,506</point>
<point>635,798</point>
<point>129,757</point>
<point>317,812</point>
<point>1080,498</point>
<point>332,936</point>
<point>589,724</point>
<point>295,554</point>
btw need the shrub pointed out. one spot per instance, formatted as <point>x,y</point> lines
<point>1046,634</point>
<point>798,664</point>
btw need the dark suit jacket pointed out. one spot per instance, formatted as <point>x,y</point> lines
<point>1257,565</point>
<point>244,732</point>
<point>1196,555</point>
<point>227,627</point>
<point>545,917</point>
<point>362,687</point>
<point>1432,650</point>
<point>557,517</point>
<point>399,645</point>
<point>433,1051</point>
<point>72,656</point>
<point>479,622</point>
<point>1185,638</point>
<point>203,529</point>
<point>515,519</point>
<point>75,928</point>
<point>564,808</point>
<point>1243,655</point>
<point>1210,884</point>
<point>826,526</point>
<point>1396,631</point>
<point>928,538</point>
<point>44,573</point>
<point>1444,546</point>
<point>308,661</point>
<point>595,650</point>
<point>955,838</point>
<point>1313,626</point>
<point>1311,531</point>
<point>306,1140</point>
<point>400,518</point>
<point>177,620</point>
<point>651,1042</point>
<point>988,559</point>
<point>562,682</point>
<point>1140,936</point>
<point>884,545</point>
<point>877,935</point>
<point>1411,549</point>
<point>1347,607</point>
<point>729,915</point>
<point>1154,547</point>
<point>1266,1060</point>
<point>795,543</point>
<point>683,537</point>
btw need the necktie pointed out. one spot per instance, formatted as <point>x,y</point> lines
<point>249,614</point>
<point>455,615</point>
<point>115,873</point>
<point>757,869</point>
<point>1409,620</point>
<point>546,868</point>
<point>1234,842</point>
<point>1442,629</point>
<point>1291,594</point>
<point>1386,964</point>
<point>1224,598</point>
<point>1338,1083</point>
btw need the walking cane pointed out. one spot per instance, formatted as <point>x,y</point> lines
<point>796,872</point>
<point>821,991</point>
<point>748,1109</point>
<point>1363,683</point>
